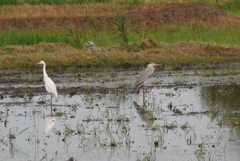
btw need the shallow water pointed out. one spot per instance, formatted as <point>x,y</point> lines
<point>99,117</point>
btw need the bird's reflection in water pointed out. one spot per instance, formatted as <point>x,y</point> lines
<point>50,121</point>
<point>146,115</point>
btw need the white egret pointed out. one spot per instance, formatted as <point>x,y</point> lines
<point>49,84</point>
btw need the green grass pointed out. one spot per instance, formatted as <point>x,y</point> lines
<point>232,6</point>
<point>78,39</point>
<point>194,33</point>
<point>75,39</point>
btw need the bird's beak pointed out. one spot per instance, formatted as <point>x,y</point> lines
<point>157,64</point>
<point>38,63</point>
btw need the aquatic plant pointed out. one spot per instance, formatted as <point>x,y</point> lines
<point>28,94</point>
<point>121,30</point>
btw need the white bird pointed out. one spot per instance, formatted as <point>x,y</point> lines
<point>49,84</point>
<point>50,122</point>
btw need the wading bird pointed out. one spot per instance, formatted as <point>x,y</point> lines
<point>49,84</point>
<point>143,76</point>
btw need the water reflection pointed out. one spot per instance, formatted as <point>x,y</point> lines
<point>226,96</point>
<point>50,121</point>
<point>223,102</point>
<point>168,123</point>
<point>147,116</point>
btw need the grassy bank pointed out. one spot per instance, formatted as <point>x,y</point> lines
<point>176,45</point>
<point>192,42</point>
<point>177,55</point>
<point>111,37</point>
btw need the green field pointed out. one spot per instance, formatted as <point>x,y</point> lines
<point>110,37</point>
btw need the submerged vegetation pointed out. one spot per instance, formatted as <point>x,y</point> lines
<point>96,113</point>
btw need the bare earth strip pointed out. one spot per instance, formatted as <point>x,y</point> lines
<point>82,16</point>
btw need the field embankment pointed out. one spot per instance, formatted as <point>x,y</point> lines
<point>176,45</point>
<point>177,55</point>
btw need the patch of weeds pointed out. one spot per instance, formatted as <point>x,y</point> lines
<point>121,30</point>
<point>121,119</point>
<point>111,79</point>
<point>42,100</point>
<point>67,133</point>
<point>209,73</point>
<point>125,85</point>
<point>3,141</point>
<point>185,126</point>
<point>28,94</point>
<point>48,50</point>
<point>11,136</point>
<point>7,51</point>
<point>117,98</point>
<point>89,98</point>
<point>232,118</point>
<point>72,92</point>
<point>131,2</point>
<point>200,152</point>
<point>170,94</point>
<point>112,143</point>
<point>157,82</point>
<point>222,73</point>
<point>214,114</point>
<point>88,119</point>
<point>180,79</point>
<point>170,126</point>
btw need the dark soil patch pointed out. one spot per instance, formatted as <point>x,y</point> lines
<point>38,48</point>
<point>152,16</point>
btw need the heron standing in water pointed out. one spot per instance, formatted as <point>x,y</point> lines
<point>143,76</point>
<point>49,84</point>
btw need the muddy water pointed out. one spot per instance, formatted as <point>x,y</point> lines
<point>99,117</point>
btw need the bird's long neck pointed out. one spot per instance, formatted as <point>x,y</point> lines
<point>44,71</point>
<point>153,70</point>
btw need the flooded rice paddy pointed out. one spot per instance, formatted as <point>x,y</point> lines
<point>185,115</point>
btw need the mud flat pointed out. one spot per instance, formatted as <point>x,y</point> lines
<point>98,116</point>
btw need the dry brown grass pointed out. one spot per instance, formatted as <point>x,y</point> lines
<point>59,54</point>
<point>23,11</point>
<point>92,9</point>
<point>152,16</point>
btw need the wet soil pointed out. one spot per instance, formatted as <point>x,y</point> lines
<point>16,83</point>
<point>183,113</point>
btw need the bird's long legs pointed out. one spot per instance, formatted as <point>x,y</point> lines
<point>51,104</point>
<point>143,95</point>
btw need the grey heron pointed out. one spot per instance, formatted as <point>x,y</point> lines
<point>143,76</point>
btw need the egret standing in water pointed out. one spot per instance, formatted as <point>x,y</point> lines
<point>143,76</point>
<point>49,84</point>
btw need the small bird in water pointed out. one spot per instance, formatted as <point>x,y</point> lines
<point>143,76</point>
<point>49,84</point>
